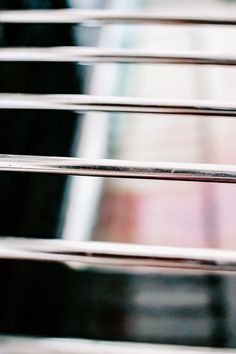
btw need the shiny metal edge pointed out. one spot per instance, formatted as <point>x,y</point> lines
<point>97,17</point>
<point>106,55</point>
<point>29,345</point>
<point>85,103</point>
<point>172,171</point>
<point>118,255</point>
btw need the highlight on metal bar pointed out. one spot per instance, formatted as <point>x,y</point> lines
<point>98,17</point>
<point>85,103</point>
<point>29,345</point>
<point>117,255</point>
<point>104,55</point>
<point>119,168</point>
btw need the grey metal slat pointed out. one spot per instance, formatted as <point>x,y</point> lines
<point>84,103</point>
<point>103,254</point>
<point>119,168</point>
<point>106,55</point>
<point>98,17</point>
<point>24,345</point>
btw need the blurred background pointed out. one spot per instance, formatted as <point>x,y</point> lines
<point>57,300</point>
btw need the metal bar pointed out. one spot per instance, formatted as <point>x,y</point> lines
<point>116,255</point>
<point>85,103</point>
<point>98,17</point>
<point>119,168</point>
<point>27,345</point>
<point>104,55</point>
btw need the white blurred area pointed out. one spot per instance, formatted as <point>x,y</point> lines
<point>168,213</point>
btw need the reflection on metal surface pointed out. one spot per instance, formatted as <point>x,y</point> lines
<point>103,254</point>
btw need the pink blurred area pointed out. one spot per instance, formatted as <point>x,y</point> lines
<point>202,216</point>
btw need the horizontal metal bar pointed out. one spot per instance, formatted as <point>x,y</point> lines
<point>104,55</point>
<point>85,103</point>
<point>119,168</point>
<point>103,254</point>
<point>98,17</point>
<point>26,345</point>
